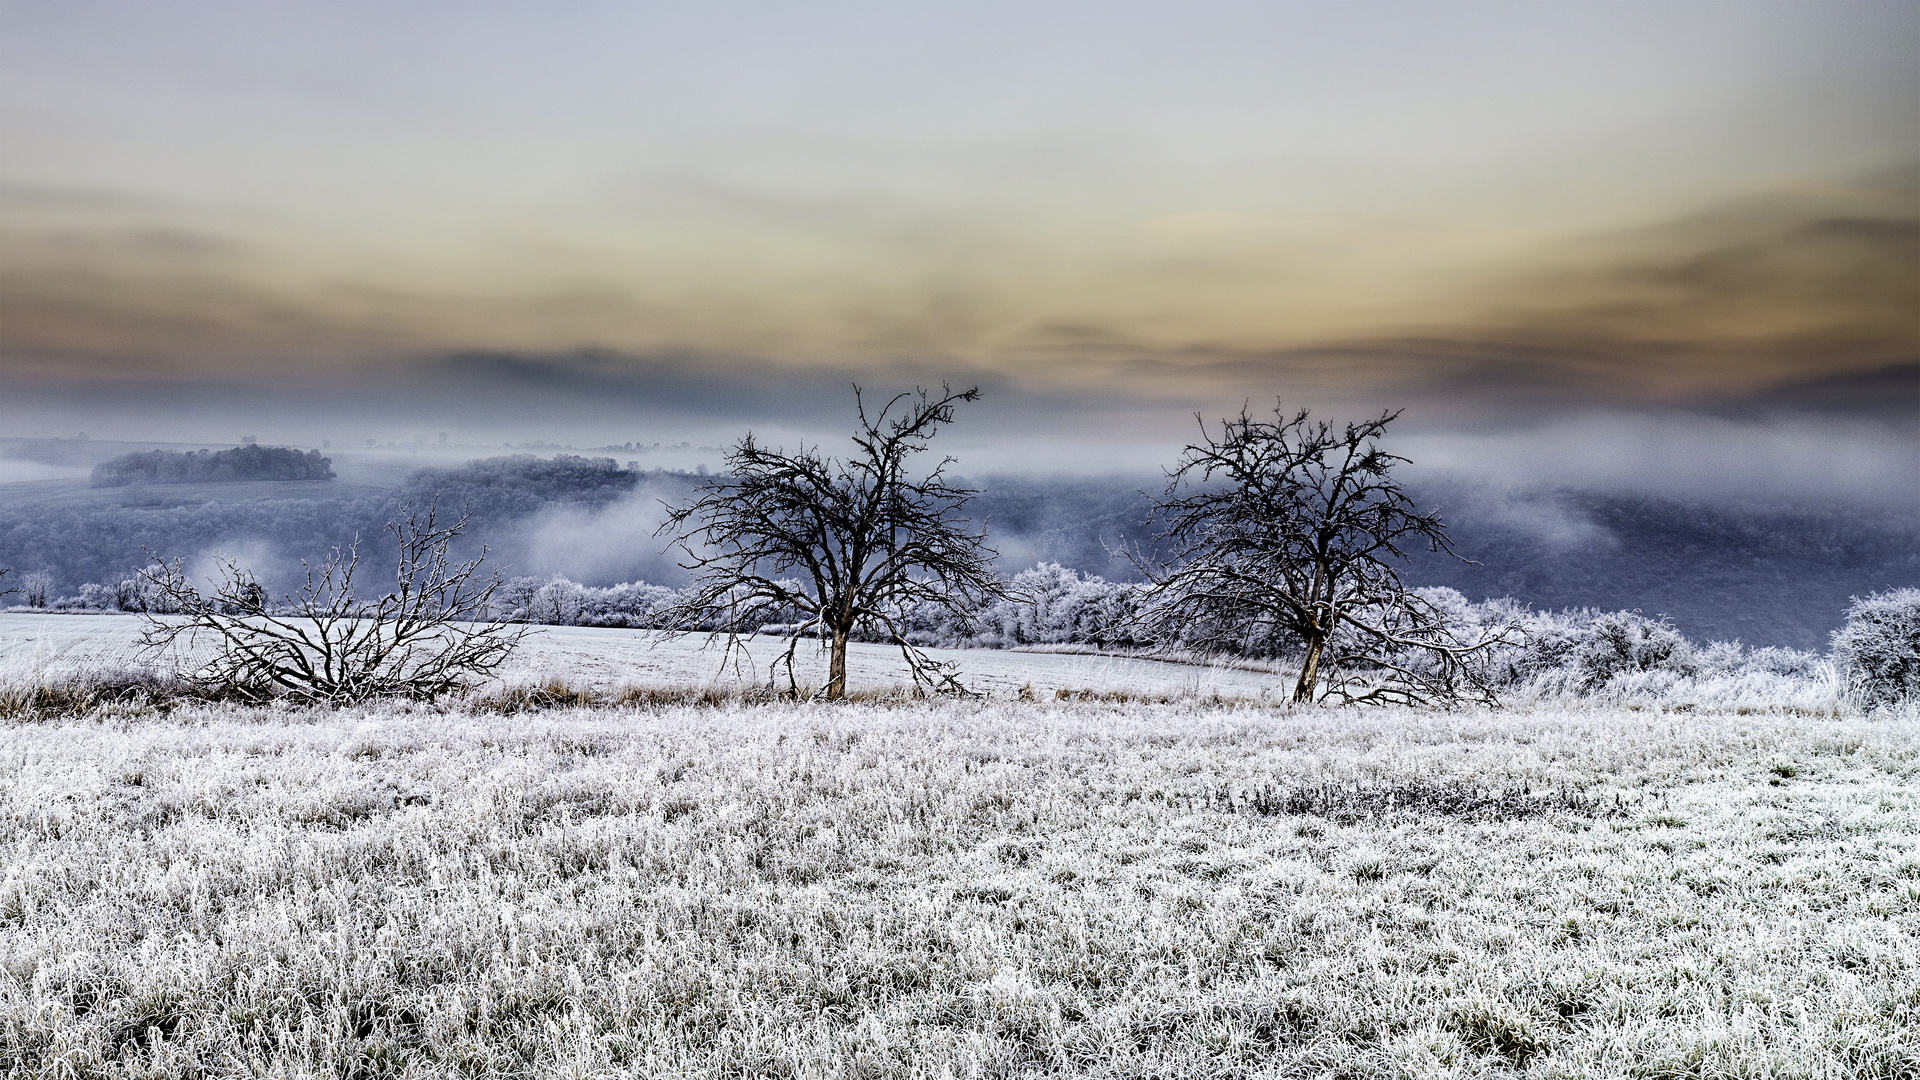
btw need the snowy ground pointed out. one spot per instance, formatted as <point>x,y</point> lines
<point>967,889</point>
<point>39,645</point>
<point>982,888</point>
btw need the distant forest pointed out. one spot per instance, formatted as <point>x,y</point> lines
<point>1765,574</point>
<point>213,466</point>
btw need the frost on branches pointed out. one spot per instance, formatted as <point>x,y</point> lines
<point>1287,536</point>
<point>1879,648</point>
<point>836,547</point>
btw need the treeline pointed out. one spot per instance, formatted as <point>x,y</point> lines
<point>1774,575</point>
<point>1620,656</point>
<point>1612,655</point>
<point>1616,656</point>
<point>213,466</point>
<point>520,484</point>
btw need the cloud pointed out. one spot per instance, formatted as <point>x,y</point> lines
<point>607,544</point>
<point>1888,395</point>
<point>22,472</point>
<point>1683,454</point>
<point>1799,301</point>
<point>207,569</point>
<point>1796,301</point>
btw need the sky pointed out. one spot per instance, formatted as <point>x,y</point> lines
<point>1663,237</point>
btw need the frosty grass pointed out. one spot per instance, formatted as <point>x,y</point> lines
<point>987,888</point>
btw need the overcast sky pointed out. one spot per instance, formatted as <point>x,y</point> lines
<point>591,222</point>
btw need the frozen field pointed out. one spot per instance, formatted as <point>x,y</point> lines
<point>42,645</point>
<point>959,889</point>
<point>982,888</point>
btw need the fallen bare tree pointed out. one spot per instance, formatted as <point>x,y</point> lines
<point>430,635</point>
<point>829,547</point>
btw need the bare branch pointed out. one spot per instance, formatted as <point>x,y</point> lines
<point>429,636</point>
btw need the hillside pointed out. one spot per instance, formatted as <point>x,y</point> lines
<point>1767,574</point>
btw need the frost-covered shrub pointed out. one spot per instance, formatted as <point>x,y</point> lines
<point>36,589</point>
<point>630,604</point>
<point>136,593</point>
<point>1878,649</point>
<point>1627,643</point>
<point>1624,657</point>
<point>935,626</point>
<point>1549,643</point>
<point>1720,658</point>
<point>556,603</point>
<point>1503,620</point>
<point>1054,605</point>
<point>94,597</point>
<point>1771,660</point>
<point>513,601</point>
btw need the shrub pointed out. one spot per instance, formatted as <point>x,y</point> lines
<point>1772,660</point>
<point>1624,642</point>
<point>1878,650</point>
<point>324,642</point>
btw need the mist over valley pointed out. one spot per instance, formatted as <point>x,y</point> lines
<point>1764,570</point>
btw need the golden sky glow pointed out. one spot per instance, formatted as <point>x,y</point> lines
<point>1498,206</point>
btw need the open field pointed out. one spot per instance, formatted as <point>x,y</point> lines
<point>959,889</point>
<point>38,646</point>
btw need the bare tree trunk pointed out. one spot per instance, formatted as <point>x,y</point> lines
<point>837,666</point>
<point>1309,670</point>
<point>1316,635</point>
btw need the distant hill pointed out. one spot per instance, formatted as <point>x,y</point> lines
<point>213,466</point>
<point>1767,574</point>
<point>1764,573</point>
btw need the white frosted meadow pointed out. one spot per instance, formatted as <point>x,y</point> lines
<point>39,646</point>
<point>989,889</point>
<point>977,888</point>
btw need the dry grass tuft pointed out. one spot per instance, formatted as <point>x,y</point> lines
<point>107,691</point>
<point>1416,796</point>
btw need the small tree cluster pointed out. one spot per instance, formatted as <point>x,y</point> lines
<point>129,593</point>
<point>204,466</point>
<point>1053,605</point>
<point>556,601</point>
<point>36,589</point>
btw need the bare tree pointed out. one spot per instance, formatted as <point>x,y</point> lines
<point>6,592</point>
<point>832,547</point>
<point>37,589</point>
<point>1286,535</point>
<point>431,634</point>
